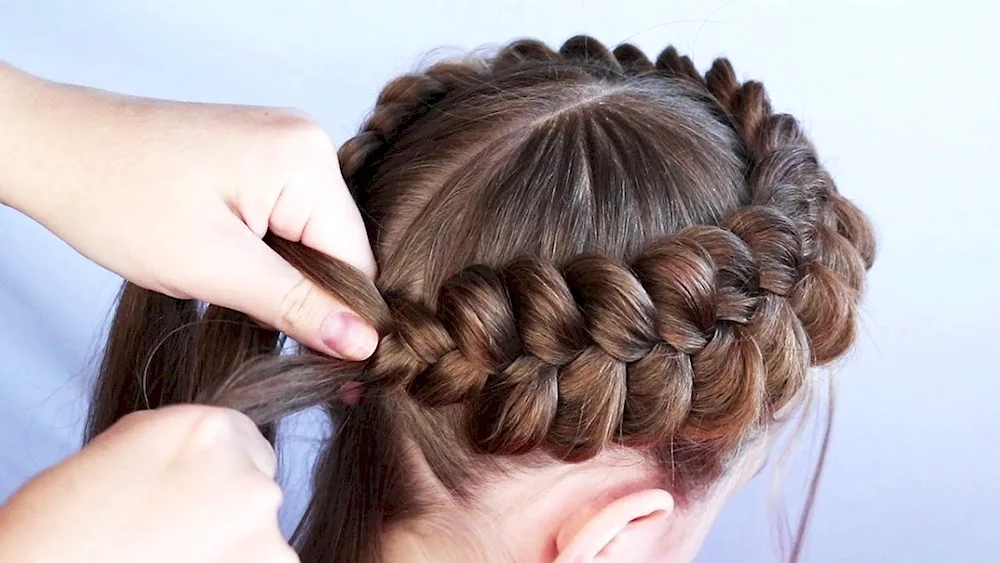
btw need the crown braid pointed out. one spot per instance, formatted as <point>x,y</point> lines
<point>708,331</point>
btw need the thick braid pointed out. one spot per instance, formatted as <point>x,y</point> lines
<point>675,339</point>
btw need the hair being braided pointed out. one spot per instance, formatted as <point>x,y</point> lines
<point>578,248</point>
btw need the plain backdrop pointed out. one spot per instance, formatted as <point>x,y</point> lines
<point>900,97</point>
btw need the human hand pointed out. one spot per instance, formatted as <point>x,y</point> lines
<point>176,197</point>
<point>183,483</point>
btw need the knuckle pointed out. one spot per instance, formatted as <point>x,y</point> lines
<point>272,495</point>
<point>287,128</point>
<point>294,307</point>
<point>212,426</point>
<point>309,135</point>
<point>265,492</point>
<point>297,132</point>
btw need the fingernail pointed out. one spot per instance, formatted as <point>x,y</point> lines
<point>348,335</point>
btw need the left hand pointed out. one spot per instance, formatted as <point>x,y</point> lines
<point>185,483</point>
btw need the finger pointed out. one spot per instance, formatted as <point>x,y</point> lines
<point>254,443</point>
<point>243,273</point>
<point>316,208</point>
<point>223,425</point>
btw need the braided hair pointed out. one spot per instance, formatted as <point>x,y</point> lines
<point>577,249</point>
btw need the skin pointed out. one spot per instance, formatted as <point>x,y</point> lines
<point>611,509</point>
<point>175,197</point>
<point>183,483</point>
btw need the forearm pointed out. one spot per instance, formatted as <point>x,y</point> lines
<point>20,95</point>
<point>50,142</point>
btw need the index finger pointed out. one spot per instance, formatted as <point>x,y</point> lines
<point>330,220</point>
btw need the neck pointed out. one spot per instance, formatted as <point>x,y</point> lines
<point>523,514</point>
<point>425,543</point>
<point>517,516</point>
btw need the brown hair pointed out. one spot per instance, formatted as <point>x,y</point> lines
<point>577,249</point>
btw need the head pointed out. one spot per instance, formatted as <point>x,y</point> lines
<point>602,284</point>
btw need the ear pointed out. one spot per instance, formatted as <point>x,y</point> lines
<point>625,530</point>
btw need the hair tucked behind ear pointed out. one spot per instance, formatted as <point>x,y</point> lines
<point>578,248</point>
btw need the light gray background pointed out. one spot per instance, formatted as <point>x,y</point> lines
<point>899,96</point>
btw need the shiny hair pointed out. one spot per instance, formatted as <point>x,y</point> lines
<point>578,249</point>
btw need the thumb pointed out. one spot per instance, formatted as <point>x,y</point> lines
<point>258,282</point>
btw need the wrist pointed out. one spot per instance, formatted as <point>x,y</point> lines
<point>22,98</point>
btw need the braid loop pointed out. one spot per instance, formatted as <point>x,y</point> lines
<point>516,409</point>
<point>592,56</point>
<point>632,60</point>
<point>551,325</point>
<point>523,52</point>
<point>402,101</point>
<point>620,314</point>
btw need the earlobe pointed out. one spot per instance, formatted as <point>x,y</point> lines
<point>624,530</point>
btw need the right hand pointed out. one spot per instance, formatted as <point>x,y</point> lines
<point>182,483</point>
<point>175,197</point>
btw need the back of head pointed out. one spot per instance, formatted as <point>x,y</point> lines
<point>579,251</point>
